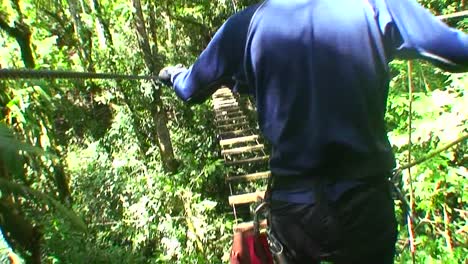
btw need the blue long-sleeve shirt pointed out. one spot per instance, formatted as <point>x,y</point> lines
<point>319,72</point>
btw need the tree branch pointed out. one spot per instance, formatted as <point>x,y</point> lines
<point>143,36</point>
<point>434,153</point>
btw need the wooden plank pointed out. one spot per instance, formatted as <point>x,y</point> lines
<point>228,114</point>
<point>230,120</point>
<point>223,97</point>
<point>226,106</point>
<point>234,133</point>
<point>250,177</point>
<point>232,141</point>
<point>228,109</point>
<point>251,160</point>
<point>222,91</point>
<point>249,226</point>
<point>241,150</point>
<point>246,198</point>
<point>221,102</point>
<point>224,103</point>
<point>233,125</point>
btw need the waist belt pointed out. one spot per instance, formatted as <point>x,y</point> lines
<point>308,194</point>
<point>307,189</point>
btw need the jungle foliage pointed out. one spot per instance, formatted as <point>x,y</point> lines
<point>123,172</point>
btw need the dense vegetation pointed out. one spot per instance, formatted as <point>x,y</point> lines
<point>123,172</point>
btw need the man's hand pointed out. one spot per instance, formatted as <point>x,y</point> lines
<point>165,75</point>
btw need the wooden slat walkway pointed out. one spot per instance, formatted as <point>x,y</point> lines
<point>243,152</point>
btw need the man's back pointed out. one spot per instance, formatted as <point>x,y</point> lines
<point>319,70</point>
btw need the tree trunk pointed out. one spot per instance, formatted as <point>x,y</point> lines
<point>22,34</point>
<point>137,124</point>
<point>84,37</point>
<point>102,24</point>
<point>164,139</point>
<point>127,96</point>
<point>18,229</point>
<point>156,107</point>
<point>61,181</point>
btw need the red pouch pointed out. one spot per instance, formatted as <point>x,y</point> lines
<point>249,248</point>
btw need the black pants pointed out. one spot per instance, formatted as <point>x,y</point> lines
<point>359,227</point>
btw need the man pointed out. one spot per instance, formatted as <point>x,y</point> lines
<point>318,70</point>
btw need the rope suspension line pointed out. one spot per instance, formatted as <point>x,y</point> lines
<point>433,154</point>
<point>234,5</point>
<point>410,214</point>
<point>453,15</point>
<point>57,74</point>
<point>17,74</point>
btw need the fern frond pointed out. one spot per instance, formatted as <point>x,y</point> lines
<point>24,191</point>
<point>8,142</point>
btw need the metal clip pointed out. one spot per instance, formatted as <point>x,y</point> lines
<point>261,207</point>
<point>276,249</point>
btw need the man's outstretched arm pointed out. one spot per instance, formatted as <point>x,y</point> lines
<point>416,33</point>
<point>213,68</point>
<point>218,63</point>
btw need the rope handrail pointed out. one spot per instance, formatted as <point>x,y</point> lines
<point>453,15</point>
<point>433,154</point>
<point>61,74</point>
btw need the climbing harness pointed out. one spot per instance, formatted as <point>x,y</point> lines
<point>276,248</point>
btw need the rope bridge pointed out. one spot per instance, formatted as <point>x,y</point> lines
<point>244,153</point>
